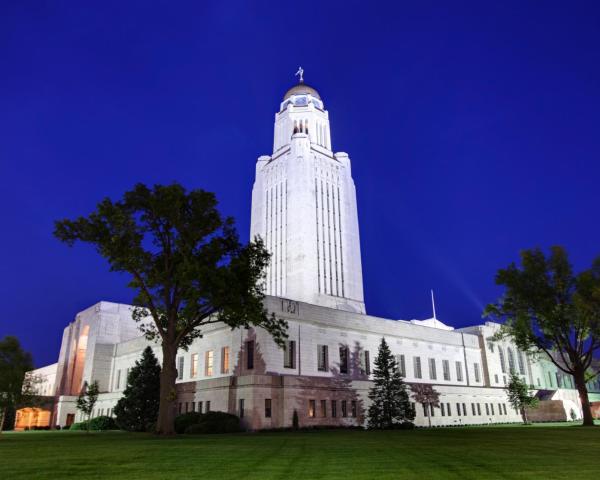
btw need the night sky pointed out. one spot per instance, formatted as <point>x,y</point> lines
<point>473,131</point>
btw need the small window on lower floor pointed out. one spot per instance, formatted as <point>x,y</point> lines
<point>323,408</point>
<point>207,406</point>
<point>241,407</point>
<point>353,408</point>
<point>334,408</point>
<point>344,408</point>
<point>267,408</point>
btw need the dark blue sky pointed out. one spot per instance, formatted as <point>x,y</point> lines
<point>473,130</point>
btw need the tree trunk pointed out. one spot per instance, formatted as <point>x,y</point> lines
<point>168,394</point>
<point>524,415</point>
<point>2,419</point>
<point>588,419</point>
<point>428,407</point>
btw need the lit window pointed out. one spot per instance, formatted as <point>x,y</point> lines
<point>180,369</point>
<point>225,360</point>
<point>208,363</point>
<point>194,365</point>
<point>311,408</point>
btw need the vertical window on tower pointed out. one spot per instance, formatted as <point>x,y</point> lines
<point>459,372</point>
<point>289,354</point>
<point>344,359</point>
<point>322,360</point>
<point>476,371</point>
<point>417,367</point>
<point>432,371</point>
<point>365,363</point>
<point>250,354</point>
<point>401,365</point>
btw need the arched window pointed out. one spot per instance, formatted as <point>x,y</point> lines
<point>502,361</point>
<point>295,127</point>
<point>511,360</point>
<point>306,126</point>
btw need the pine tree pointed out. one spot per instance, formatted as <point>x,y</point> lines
<point>519,396</point>
<point>390,402</point>
<point>87,400</point>
<point>138,407</point>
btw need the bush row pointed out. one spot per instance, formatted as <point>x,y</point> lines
<point>209,422</point>
<point>98,423</point>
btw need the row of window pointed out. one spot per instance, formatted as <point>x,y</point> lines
<point>446,409</point>
<point>186,407</point>
<point>209,360</point>
<point>312,408</point>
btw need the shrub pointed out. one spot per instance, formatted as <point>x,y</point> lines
<point>185,420</point>
<point>57,427</point>
<point>79,426</point>
<point>103,423</point>
<point>215,422</point>
<point>406,426</point>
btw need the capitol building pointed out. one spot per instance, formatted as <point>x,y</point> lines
<point>304,208</point>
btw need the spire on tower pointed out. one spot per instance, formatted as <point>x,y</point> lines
<point>433,305</point>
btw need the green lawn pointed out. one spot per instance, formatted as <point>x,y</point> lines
<point>544,452</point>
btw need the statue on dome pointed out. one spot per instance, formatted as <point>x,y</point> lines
<point>300,73</point>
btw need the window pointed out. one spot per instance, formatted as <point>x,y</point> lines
<point>458,409</point>
<point>401,365</point>
<point>267,408</point>
<point>473,409</point>
<point>499,408</point>
<point>193,406</point>
<point>432,410</point>
<point>343,359</point>
<point>496,378</point>
<point>353,408</point>
<point>250,354</point>
<point>550,379</point>
<point>492,408</point>
<point>521,362</point>
<point>323,408</point>
<point>322,358</point>
<point>179,408</point>
<point>208,363</point>
<point>194,365</point>
<point>289,354</point>
<point>417,365</point>
<point>446,369</point>
<point>180,369</point>
<point>344,408</point>
<point>442,409</point>
<point>511,360</point>
<point>241,409</point>
<point>311,408</point>
<point>502,361</point>
<point>504,408</point>
<point>425,411</point>
<point>187,407</point>
<point>476,371</point>
<point>432,372</point>
<point>334,408</point>
<point>487,409</point>
<point>491,347</point>
<point>199,407</point>
<point>225,360</point>
<point>558,382</point>
<point>459,372</point>
<point>365,363</point>
<point>464,409</point>
<point>207,406</point>
<point>449,409</point>
<point>118,381</point>
<point>479,409</point>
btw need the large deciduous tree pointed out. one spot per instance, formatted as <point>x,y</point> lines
<point>17,387</point>
<point>138,407</point>
<point>187,266</point>
<point>390,404</point>
<point>548,309</point>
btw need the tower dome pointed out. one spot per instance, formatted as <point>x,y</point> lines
<point>301,89</point>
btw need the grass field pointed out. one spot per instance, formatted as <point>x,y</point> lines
<point>544,452</point>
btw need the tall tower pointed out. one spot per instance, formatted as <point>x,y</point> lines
<point>304,208</point>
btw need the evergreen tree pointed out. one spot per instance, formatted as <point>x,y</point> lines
<point>87,400</point>
<point>390,403</point>
<point>138,407</point>
<point>519,396</point>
